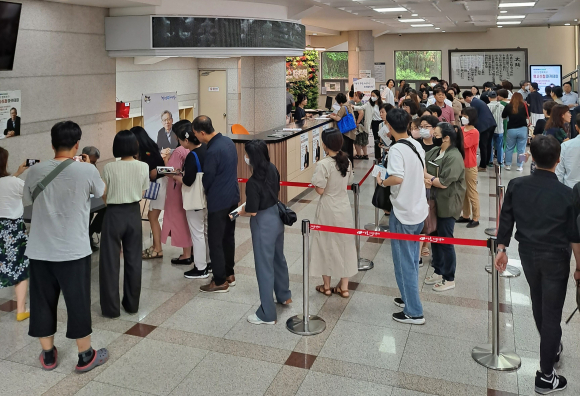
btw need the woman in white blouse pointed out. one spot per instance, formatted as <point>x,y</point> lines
<point>388,95</point>
<point>13,238</point>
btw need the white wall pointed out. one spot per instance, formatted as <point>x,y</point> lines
<point>64,73</point>
<point>171,75</point>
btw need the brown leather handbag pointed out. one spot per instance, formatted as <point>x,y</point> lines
<point>431,221</point>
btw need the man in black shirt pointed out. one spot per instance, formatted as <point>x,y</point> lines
<point>544,212</point>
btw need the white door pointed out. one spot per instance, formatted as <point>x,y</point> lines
<point>213,97</point>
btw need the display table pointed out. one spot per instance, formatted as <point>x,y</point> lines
<point>285,153</point>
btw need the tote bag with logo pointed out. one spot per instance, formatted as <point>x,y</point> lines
<point>194,196</point>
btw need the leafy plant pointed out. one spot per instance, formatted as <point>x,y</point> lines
<point>334,65</point>
<point>309,86</point>
<point>417,65</point>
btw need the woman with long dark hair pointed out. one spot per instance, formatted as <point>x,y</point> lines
<point>149,153</point>
<point>517,129</point>
<point>349,136</point>
<point>445,175</point>
<point>267,232</point>
<point>559,121</point>
<point>333,255</point>
<point>13,263</point>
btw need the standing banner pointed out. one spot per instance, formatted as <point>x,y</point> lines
<point>365,85</point>
<point>304,152</point>
<point>316,147</point>
<point>8,100</point>
<point>154,106</point>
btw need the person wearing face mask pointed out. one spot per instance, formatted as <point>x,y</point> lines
<point>384,131</point>
<point>470,144</point>
<point>376,104</point>
<point>267,232</point>
<point>350,136</point>
<point>363,118</point>
<point>524,88</point>
<point>433,81</point>
<point>426,130</point>
<point>448,180</point>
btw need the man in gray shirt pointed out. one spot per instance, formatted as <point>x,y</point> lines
<point>59,249</point>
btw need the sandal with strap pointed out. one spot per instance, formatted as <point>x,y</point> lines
<point>340,292</point>
<point>152,254</point>
<point>321,289</point>
<point>100,357</point>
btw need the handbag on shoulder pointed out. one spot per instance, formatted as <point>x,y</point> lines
<point>194,195</point>
<point>287,215</point>
<point>346,123</point>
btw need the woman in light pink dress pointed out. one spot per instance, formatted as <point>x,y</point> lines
<point>174,220</point>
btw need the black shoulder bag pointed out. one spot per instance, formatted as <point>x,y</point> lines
<point>287,215</point>
<point>382,195</point>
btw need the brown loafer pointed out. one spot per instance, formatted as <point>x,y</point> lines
<point>213,288</point>
<point>231,280</point>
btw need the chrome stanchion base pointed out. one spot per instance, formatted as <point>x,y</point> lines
<point>491,231</point>
<point>296,325</point>
<point>374,227</point>
<point>510,271</point>
<point>506,361</point>
<point>365,264</point>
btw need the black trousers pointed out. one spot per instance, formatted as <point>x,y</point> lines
<point>485,139</point>
<point>47,280</point>
<point>547,273</point>
<point>222,244</point>
<point>348,148</point>
<point>375,128</point>
<point>96,225</point>
<point>122,225</point>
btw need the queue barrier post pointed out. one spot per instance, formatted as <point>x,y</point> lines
<point>510,271</point>
<point>306,324</point>
<point>363,263</point>
<point>376,225</point>
<point>493,230</point>
<point>491,355</point>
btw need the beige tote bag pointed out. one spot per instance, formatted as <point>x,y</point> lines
<point>194,196</point>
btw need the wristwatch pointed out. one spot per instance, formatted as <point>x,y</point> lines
<point>499,250</point>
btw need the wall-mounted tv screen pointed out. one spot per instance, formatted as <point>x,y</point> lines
<point>9,21</point>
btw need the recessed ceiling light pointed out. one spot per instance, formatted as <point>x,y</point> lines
<point>524,4</point>
<point>390,9</point>
<point>437,28</point>
<point>566,24</point>
<point>511,17</point>
<point>500,26</point>
<point>423,25</point>
<point>443,31</point>
<point>503,12</point>
<point>414,14</point>
<point>509,22</point>
<point>412,20</point>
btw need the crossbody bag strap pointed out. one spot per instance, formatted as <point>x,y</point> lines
<point>197,161</point>
<point>410,145</point>
<point>40,187</point>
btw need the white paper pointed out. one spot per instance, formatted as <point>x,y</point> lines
<point>379,170</point>
<point>292,129</point>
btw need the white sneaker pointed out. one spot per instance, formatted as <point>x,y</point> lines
<point>253,319</point>
<point>443,286</point>
<point>520,169</point>
<point>433,279</point>
<point>508,167</point>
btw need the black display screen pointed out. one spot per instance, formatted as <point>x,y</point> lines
<point>189,32</point>
<point>9,21</point>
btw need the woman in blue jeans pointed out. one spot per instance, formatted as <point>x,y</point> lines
<point>445,175</point>
<point>517,129</point>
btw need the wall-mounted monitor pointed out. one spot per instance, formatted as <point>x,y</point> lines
<point>546,75</point>
<point>9,21</point>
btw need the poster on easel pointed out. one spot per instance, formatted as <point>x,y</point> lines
<point>316,146</point>
<point>160,112</point>
<point>304,152</point>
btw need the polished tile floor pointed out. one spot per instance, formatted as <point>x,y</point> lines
<point>184,343</point>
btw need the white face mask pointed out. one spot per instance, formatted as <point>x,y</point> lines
<point>464,120</point>
<point>424,133</point>
<point>373,99</point>
<point>432,84</point>
<point>247,160</point>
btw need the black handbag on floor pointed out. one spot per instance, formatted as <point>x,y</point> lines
<point>382,195</point>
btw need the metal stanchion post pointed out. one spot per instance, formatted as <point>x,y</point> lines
<point>376,226</point>
<point>493,230</point>
<point>492,356</point>
<point>510,271</point>
<point>363,264</point>
<point>306,324</point>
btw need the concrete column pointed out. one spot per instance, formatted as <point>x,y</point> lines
<point>361,52</point>
<point>263,83</point>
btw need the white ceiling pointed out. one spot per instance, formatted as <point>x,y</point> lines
<point>447,15</point>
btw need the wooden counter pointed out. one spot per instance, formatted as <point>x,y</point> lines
<point>285,154</point>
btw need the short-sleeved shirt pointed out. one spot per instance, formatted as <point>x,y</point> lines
<point>153,160</point>
<point>470,144</point>
<point>341,113</point>
<point>299,114</point>
<point>11,189</point>
<point>262,194</point>
<point>60,215</point>
<point>452,175</point>
<point>126,181</point>
<point>570,98</point>
<point>447,114</point>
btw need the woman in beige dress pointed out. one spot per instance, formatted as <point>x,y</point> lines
<point>333,255</point>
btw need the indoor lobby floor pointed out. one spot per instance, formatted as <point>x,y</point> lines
<point>183,342</point>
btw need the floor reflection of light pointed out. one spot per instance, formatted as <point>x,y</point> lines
<point>388,345</point>
<point>520,299</point>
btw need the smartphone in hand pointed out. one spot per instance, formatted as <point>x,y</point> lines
<point>31,162</point>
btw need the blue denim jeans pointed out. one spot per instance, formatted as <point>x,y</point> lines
<point>516,137</point>
<point>406,260</point>
<point>497,142</point>
<point>444,259</point>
